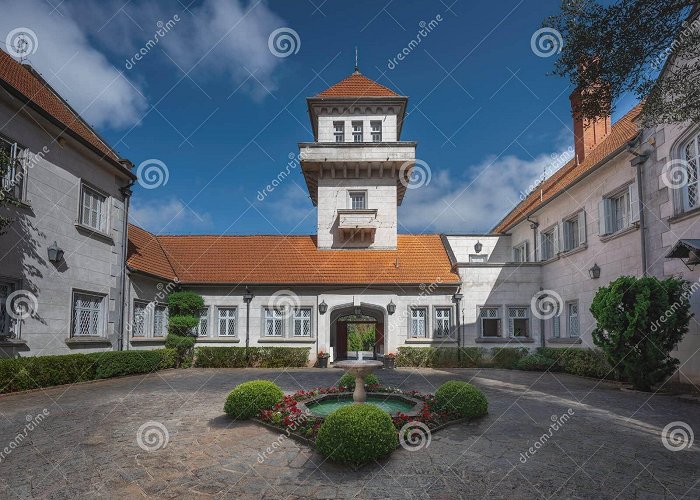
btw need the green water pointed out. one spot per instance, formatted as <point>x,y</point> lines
<point>325,408</point>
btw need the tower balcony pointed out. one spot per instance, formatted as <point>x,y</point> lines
<point>358,224</point>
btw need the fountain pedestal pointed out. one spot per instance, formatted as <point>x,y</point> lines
<point>360,369</point>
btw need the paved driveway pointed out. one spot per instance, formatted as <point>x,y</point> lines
<point>86,446</point>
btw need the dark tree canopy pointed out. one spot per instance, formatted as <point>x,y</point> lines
<point>622,46</point>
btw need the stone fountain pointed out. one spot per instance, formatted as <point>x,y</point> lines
<point>360,368</point>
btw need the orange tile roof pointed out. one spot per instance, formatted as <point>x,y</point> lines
<point>357,85</point>
<point>287,260</point>
<point>622,131</point>
<point>34,89</point>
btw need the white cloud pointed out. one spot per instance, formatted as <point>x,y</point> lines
<point>79,72</point>
<point>462,205</point>
<point>167,216</point>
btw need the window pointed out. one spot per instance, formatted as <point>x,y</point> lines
<point>274,322</point>
<point>691,155</point>
<point>202,328</point>
<point>160,320</point>
<point>575,231</point>
<point>93,211</point>
<point>6,323</point>
<point>520,252</point>
<point>518,322</point>
<point>339,131</point>
<point>302,322</point>
<point>443,321</point>
<point>419,318</point>
<point>88,314</point>
<point>356,131</point>
<point>490,322</point>
<point>227,321</point>
<point>138,323</point>
<point>556,326</point>
<point>12,171</point>
<point>572,319</point>
<point>476,258</point>
<point>548,243</point>
<point>618,211</point>
<point>358,200</point>
<point>376,127</point>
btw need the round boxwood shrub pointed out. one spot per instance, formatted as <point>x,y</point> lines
<point>248,398</point>
<point>348,380</point>
<point>357,434</point>
<point>536,362</point>
<point>461,399</point>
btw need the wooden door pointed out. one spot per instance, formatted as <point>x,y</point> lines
<point>341,340</point>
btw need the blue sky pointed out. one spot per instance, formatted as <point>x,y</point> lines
<point>223,114</point>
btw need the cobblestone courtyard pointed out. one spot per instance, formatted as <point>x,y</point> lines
<point>87,445</point>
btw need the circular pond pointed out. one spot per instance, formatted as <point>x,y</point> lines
<point>323,406</point>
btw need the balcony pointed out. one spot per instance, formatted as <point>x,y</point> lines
<point>357,224</point>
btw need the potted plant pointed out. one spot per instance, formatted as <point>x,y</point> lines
<point>390,361</point>
<point>322,357</point>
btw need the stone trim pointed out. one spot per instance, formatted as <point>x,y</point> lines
<point>86,340</point>
<point>504,340</point>
<point>564,340</point>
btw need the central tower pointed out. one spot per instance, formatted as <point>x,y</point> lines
<point>357,168</point>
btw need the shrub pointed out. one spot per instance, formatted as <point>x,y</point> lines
<point>116,363</point>
<point>507,357</point>
<point>357,434</point>
<point>259,357</point>
<point>582,362</point>
<point>639,322</point>
<point>185,304</point>
<point>21,374</point>
<point>248,398</point>
<point>183,317</point>
<point>461,399</point>
<point>182,325</point>
<point>440,357</point>
<point>535,362</point>
<point>348,380</point>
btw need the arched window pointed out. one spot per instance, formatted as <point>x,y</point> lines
<point>691,154</point>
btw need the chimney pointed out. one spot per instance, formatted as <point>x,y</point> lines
<point>588,132</point>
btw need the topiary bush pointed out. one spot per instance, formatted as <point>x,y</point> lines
<point>183,317</point>
<point>357,434</point>
<point>348,380</point>
<point>247,399</point>
<point>507,357</point>
<point>258,357</point>
<point>536,362</point>
<point>461,399</point>
<point>115,363</point>
<point>185,303</point>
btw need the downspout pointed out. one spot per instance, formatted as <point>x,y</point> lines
<point>534,225</point>
<point>637,163</point>
<point>126,192</point>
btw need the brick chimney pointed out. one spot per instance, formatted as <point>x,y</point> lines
<point>588,133</point>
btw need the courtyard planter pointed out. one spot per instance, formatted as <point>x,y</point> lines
<point>390,361</point>
<point>322,360</point>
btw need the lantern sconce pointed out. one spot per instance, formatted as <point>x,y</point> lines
<point>248,296</point>
<point>55,253</point>
<point>391,308</point>
<point>594,272</point>
<point>478,246</point>
<point>323,307</point>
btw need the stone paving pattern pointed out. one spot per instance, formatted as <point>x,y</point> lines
<point>86,447</point>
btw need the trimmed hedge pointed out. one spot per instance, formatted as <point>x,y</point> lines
<point>247,399</point>
<point>440,357</point>
<point>22,374</point>
<point>348,380</point>
<point>461,399</point>
<point>577,361</point>
<point>357,434</point>
<point>258,357</point>
<point>536,362</point>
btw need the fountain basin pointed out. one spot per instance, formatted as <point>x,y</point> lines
<point>360,368</point>
<point>324,405</point>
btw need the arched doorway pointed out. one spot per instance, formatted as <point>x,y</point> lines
<point>357,331</point>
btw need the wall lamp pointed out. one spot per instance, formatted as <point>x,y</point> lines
<point>55,253</point>
<point>323,307</point>
<point>391,308</point>
<point>594,272</point>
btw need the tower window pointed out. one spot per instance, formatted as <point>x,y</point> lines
<point>339,131</point>
<point>357,131</point>
<point>376,131</point>
<point>358,200</point>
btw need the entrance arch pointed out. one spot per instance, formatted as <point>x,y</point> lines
<point>348,315</point>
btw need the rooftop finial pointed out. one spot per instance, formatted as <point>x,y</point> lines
<point>357,68</point>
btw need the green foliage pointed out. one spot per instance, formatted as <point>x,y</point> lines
<point>248,398</point>
<point>258,357</point>
<point>348,380</point>
<point>182,325</point>
<point>582,362</point>
<point>461,399</point>
<point>507,357</point>
<point>357,434</point>
<point>361,337</point>
<point>440,357</point>
<point>639,322</point>
<point>185,304</point>
<point>536,362</point>
<point>116,363</point>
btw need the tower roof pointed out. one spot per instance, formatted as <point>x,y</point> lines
<point>357,85</point>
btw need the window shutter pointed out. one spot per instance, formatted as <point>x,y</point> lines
<point>634,203</point>
<point>555,238</point>
<point>582,227</point>
<point>603,213</point>
<point>538,250</point>
<point>526,249</point>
